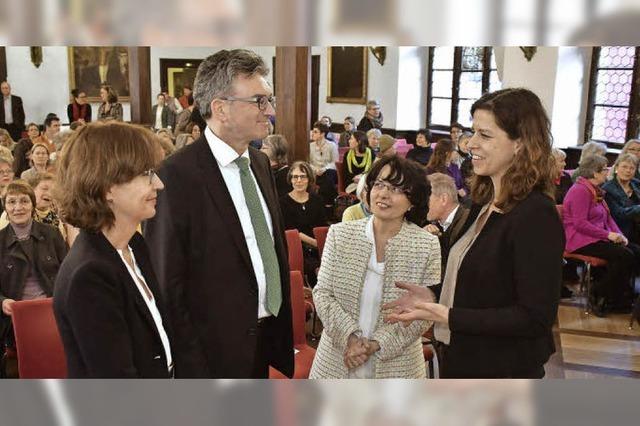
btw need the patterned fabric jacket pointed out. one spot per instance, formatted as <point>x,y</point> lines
<point>413,255</point>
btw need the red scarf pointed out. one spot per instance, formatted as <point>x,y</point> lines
<point>79,111</point>
<point>596,192</point>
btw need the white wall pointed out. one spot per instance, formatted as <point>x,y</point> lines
<point>539,75</point>
<point>44,89</point>
<point>382,86</point>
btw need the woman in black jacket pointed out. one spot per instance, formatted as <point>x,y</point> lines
<point>30,255</point>
<point>503,277</point>
<point>107,302</point>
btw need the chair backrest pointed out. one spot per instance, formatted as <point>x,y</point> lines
<point>38,343</point>
<point>294,244</point>
<point>339,171</point>
<point>297,308</point>
<point>320,234</point>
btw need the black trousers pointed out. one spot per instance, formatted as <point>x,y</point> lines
<point>616,282</point>
<point>265,332</point>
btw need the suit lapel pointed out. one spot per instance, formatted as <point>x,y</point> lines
<point>220,196</point>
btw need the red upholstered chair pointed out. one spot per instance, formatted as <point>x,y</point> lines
<point>304,353</point>
<point>588,262</point>
<point>294,244</point>
<point>428,351</point>
<point>38,342</point>
<point>320,234</point>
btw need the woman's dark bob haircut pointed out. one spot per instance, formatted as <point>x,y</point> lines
<point>408,175</point>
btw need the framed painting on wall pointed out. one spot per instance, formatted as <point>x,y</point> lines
<point>347,75</point>
<point>92,67</point>
<point>177,73</point>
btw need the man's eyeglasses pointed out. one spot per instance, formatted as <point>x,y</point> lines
<point>262,101</point>
<point>379,185</point>
<point>150,173</point>
<point>14,202</point>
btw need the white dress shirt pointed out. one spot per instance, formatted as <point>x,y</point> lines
<point>370,300</point>
<point>225,156</point>
<point>8,114</point>
<point>158,124</point>
<point>449,219</point>
<point>136,276</point>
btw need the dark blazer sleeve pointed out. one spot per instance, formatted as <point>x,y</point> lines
<point>537,242</point>
<point>89,113</point>
<point>18,112</point>
<point>70,113</point>
<point>103,336</point>
<point>169,250</point>
<point>59,245</point>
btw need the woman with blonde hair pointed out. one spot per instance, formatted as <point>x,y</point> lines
<point>6,141</point>
<point>633,147</point>
<point>502,283</point>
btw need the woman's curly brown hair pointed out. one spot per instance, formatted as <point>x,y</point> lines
<point>520,114</point>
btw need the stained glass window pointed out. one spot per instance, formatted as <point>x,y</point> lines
<point>611,95</point>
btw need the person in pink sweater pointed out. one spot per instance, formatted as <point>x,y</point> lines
<point>590,230</point>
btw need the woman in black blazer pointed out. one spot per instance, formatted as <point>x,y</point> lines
<point>503,276</point>
<point>106,300</point>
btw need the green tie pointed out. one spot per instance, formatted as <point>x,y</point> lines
<point>263,236</point>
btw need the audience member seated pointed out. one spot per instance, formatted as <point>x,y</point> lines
<point>23,149</point>
<point>386,146</point>
<point>361,262</point>
<point>45,212</point>
<point>184,99</point>
<point>442,162</point>
<point>326,120</point>
<point>562,179</point>
<point>591,231</point>
<point>303,210</point>
<point>183,140</point>
<point>51,129</point>
<point>622,194</point>
<point>588,149</point>
<point>422,151</point>
<point>277,149</point>
<point>633,147</point>
<point>165,136</point>
<point>110,109</point>
<point>455,131</point>
<point>194,130</point>
<point>373,137</point>
<point>357,160</point>
<point>323,159</point>
<point>372,118</point>
<point>349,128</point>
<point>6,177</point>
<point>466,166</point>
<point>184,118</point>
<point>79,109</point>
<point>360,210</point>
<point>39,161</point>
<point>446,215</point>
<point>163,116</point>
<point>32,253</point>
<point>6,141</point>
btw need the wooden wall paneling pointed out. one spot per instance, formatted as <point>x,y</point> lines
<point>140,83</point>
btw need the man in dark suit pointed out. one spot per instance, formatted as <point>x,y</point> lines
<point>11,112</point>
<point>162,116</point>
<point>447,216</point>
<point>217,239</point>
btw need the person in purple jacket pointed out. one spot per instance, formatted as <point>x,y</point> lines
<point>590,230</point>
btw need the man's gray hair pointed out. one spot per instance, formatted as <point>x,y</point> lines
<point>216,75</point>
<point>443,184</point>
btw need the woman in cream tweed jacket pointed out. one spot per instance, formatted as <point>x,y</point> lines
<point>411,255</point>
